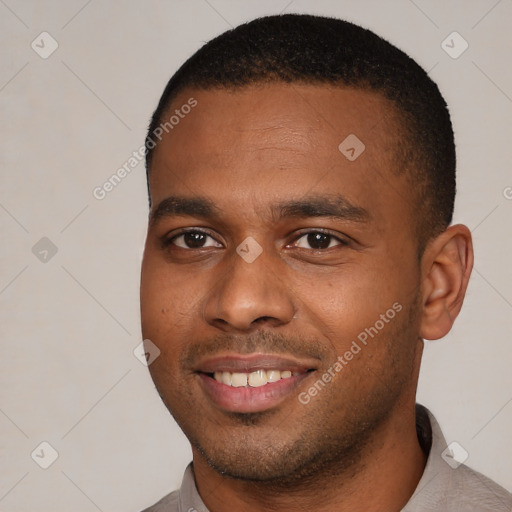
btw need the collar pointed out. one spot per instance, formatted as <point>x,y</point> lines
<point>442,487</point>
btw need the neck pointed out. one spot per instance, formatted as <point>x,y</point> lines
<point>383,477</point>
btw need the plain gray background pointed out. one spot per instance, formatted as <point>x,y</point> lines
<point>69,323</point>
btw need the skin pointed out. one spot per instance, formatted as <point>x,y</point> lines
<point>248,151</point>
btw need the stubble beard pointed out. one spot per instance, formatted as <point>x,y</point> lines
<point>323,442</point>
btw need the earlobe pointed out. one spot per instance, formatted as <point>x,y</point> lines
<point>446,267</point>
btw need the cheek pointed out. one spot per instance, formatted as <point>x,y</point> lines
<point>347,298</point>
<point>166,308</point>
<point>364,303</point>
<point>168,299</point>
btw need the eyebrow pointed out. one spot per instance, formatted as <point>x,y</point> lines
<point>336,207</point>
<point>175,206</point>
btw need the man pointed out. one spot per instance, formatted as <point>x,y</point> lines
<point>301,173</point>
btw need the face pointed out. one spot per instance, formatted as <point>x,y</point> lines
<point>280,278</point>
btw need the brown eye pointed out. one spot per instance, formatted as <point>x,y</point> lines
<point>317,241</point>
<point>194,240</point>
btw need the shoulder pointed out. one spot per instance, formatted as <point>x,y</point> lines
<point>168,503</point>
<point>447,484</point>
<point>477,492</point>
<point>462,489</point>
<point>185,499</point>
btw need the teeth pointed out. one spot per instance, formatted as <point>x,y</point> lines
<point>257,378</point>
<point>239,380</point>
<point>273,375</point>
<point>226,378</point>
<point>254,379</point>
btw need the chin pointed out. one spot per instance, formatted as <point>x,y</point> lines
<point>249,457</point>
<point>278,457</point>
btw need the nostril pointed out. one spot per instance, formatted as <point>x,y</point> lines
<point>263,320</point>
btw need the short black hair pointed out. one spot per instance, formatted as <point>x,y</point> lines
<point>299,48</point>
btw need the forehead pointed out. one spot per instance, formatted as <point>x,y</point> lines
<point>319,113</point>
<point>277,139</point>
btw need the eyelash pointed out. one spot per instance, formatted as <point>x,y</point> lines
<point>170,241</point>
<point>341,242</point>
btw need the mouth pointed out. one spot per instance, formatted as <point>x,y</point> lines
<point>255,383</point>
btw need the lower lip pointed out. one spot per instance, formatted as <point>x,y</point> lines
<point>248,399</point>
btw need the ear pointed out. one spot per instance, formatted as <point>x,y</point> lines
<point>446,266</point>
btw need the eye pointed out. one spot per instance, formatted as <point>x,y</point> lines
<point>317,240</point>
<point>193,240</point>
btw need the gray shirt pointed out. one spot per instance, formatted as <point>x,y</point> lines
<point>445,486</point>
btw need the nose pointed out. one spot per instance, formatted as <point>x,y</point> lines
<point>249,296</point>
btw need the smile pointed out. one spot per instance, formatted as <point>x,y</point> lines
<point>255,383</point>
<point>254,379</point>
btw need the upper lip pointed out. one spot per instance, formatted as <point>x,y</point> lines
<point>252,362</point>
